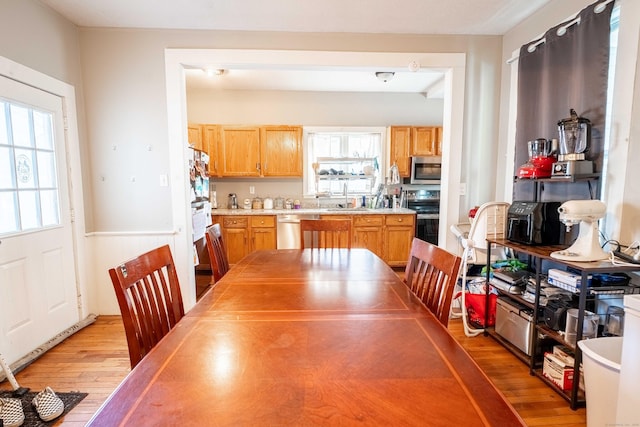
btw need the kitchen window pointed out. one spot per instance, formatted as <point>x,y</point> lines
<point>343,159</point>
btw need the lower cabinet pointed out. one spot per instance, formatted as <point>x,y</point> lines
<point>388,236</point>
<point>244,234</point>
<point>367,233</point>
<point>399,231</point>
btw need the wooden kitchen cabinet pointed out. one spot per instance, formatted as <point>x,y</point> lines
<point>244,234</point>
<point>210,139</point>
<point>367,233</point>
<point>281,150</point>
<point>399,231</point>
<point>407,141</point>
<point>424,141</point>
<point>235,235</point>
<point>194,136</point>
<point>239,151</point>
<point>263,232</point>
<point>399,148</point>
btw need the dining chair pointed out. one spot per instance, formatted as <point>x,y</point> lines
<point>431,275</point>
<point>217,252</point>
<point>325,233</point>
<point>149,297</point>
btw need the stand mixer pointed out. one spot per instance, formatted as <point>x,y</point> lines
<point>574,135</point>
<point>587,245</point>
<point>541,160</point>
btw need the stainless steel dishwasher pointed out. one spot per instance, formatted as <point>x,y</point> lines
<point>289,230</point>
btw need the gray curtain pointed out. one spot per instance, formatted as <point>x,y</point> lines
<point>564,72</point>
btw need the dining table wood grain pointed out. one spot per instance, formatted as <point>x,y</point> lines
<point>313,337</point>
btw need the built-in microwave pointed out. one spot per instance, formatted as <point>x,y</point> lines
<point>426,170</point>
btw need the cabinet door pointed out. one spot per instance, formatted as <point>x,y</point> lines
<point>438,140</point>
<point>367,233</point>
<point>194,136</point>
<point>210,139</point>
<point>239,151</point>
<point>423,141</point>
<point>399,148</point>
<point>235,234</point>
<point>398,235</point>
<point>281,150</point>
<point>263,232</point>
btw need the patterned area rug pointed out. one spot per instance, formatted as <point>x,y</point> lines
<point>31,418</point>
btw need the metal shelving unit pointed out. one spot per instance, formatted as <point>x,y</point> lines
<point>538,254</point>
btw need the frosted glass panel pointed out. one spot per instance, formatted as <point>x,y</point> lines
<point>8,220</point>
<point>29,211</point>
<point>21,126</point>
<point>49,205</point>
<point>25,168</point>
<point>6,171</point>
<point>46,170</point>
<point>43,130</point>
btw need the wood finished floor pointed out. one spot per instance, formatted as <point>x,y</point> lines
<point>95,360</point>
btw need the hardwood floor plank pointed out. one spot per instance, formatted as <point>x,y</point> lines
<point>95,360</point>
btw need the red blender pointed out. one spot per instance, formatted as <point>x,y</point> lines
<point>541,159</point>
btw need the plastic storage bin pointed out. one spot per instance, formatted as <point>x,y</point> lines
<point>601,361</point>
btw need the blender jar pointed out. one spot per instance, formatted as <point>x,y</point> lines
<point>573,132</point>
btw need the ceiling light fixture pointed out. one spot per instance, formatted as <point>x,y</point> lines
<point>384,76</point>
<point>214,71</point>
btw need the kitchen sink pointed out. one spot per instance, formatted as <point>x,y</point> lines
<point>348,209</point>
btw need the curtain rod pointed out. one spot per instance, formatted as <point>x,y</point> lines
<point>561,30</point>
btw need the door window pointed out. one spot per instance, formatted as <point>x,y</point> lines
<point>28,181</point>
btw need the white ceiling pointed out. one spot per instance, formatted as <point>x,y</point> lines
<point>488,17</point>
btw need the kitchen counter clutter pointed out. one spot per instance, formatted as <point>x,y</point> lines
<point>386,232</point>
<point>322,211</point>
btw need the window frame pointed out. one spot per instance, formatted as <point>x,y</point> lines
<point>307,171</point>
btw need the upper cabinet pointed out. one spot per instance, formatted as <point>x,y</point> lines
<point>253,151</point>
<point>281,150</point>
<point>399,148</point>
<point>210,139</point>
<point>239,151</point>
<point>424,141</point>
<point>194,136</point>
<point>407,141</point>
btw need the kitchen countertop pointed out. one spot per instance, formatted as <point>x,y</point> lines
<point>307,211</point>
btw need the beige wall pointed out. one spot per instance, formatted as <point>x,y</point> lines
<point>125,86</point>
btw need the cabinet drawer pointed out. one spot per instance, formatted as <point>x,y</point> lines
<point>263,221</point>
<point>235,222</point>
<point>367,220</point>
<point>399,219</point>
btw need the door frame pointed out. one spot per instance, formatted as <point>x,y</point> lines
<point>25,75</point>
<point>453,65</point>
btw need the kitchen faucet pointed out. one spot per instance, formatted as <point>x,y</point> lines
<point>346,194</point>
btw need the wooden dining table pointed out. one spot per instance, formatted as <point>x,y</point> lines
<point>328,337</point>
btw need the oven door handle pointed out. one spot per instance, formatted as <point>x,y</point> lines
<point>428,216</point>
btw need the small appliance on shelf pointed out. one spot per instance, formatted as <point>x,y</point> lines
<point>541,160</point>
<point>574,133</point>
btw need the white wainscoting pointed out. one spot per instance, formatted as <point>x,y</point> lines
<point>111,249</point>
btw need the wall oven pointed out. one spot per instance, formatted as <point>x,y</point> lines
<point>426,170</point>
<point>426,203</point>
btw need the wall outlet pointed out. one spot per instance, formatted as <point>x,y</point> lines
<point>164,180</point>
<point>463,189</point>
<point>252,189</point>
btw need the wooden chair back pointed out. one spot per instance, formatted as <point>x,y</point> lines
<point>149,297</point>
<point>431,275</point>
<point>217,252</point>
<point>325,233</point>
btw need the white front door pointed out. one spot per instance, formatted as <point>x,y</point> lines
<point>38,292</point>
